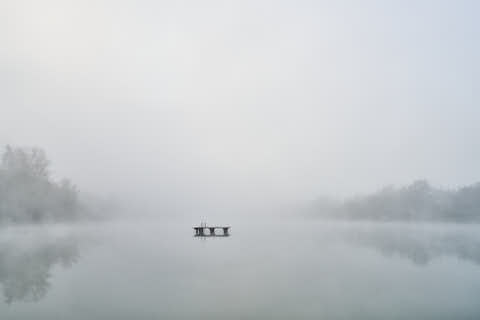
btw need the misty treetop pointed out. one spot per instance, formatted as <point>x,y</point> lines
<point>29,194</point>
<point>417,201</point>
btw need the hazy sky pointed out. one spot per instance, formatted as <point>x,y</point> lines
<point>194,103</point>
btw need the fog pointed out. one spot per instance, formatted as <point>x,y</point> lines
<point>335,143</point>
<point>235,106</point>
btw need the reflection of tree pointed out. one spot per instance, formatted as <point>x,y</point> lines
<point>25,269</point>
<point>421,248</point>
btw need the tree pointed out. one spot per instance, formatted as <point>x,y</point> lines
<point>28,194</point>
<point>32,161</point>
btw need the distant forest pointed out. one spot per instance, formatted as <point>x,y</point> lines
<point>416,202</point>
<point>28,193</point>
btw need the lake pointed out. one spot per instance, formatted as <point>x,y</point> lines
<point>274,269</point>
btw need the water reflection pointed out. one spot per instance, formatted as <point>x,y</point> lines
<point>420,246</point>
<point>26,264</point>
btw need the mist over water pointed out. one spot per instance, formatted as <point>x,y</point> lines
<point>273,269</point>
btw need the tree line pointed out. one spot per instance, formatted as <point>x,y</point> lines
<point>417,201</point>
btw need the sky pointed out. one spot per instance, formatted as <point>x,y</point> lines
<point>201,104</point>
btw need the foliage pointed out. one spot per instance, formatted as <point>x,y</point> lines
<point>418,201</point>
<point>27,192</point>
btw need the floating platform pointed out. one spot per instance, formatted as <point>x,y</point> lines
<point>210,231</point>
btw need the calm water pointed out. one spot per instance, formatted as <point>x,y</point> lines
<point>274,270</point>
